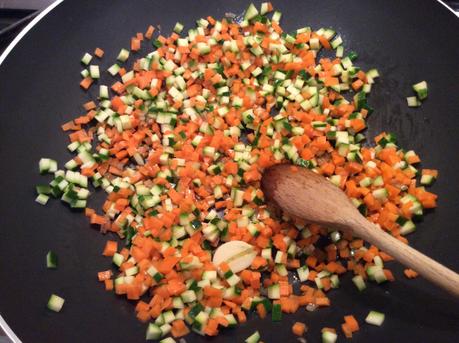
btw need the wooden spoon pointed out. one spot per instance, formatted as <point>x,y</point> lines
<point>304,194</point>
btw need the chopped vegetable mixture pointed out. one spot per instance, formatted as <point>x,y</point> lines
<point>179,143</point>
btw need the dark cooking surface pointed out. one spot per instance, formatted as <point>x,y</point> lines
<point>407,41</point>
<point>12,21</point>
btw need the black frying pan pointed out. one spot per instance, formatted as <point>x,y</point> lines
<point>407,41</point>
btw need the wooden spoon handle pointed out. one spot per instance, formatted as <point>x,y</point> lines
<point>422,264</point>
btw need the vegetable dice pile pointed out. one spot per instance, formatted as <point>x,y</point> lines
<point>179,144</point>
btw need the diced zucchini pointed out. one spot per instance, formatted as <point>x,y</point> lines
<point>42,199</point>
<point>86,59</point>
<point>251,12</point>
<point>238,197</point>
<point>359,282</point>
<point>380,276</point>
<point>303,273</point>
<point>200,321</point>
<point>375,318</point>
<point>277,16</point>
<point>281,270</point>
<point>43,189</point>
<point>274,291</point>
<point>178,303</point>
<point>264,8</point>
<point>329,337</point>
<point>267,254</point>
<point>253,338</point>
<point>168,316</point>
<point>47,165</point>
<point>188,296</point>
<point>427,180</point>
<point>118,259</point>
<point>123,55</point>
<point>231,320</point>
<point>210,275</point>
<point>168,340</point>
<point>94,71</point>
<point>378,261</point>
<point>373,73</point>
<point>334,279</point>
<point>51,260</point>
<point>131,271</point>
<point>336,42</point>
<point>378,181</point>
<point>55,303</point>
<point>381,194</point>
<point>103,92</point>
<point>421,90</point>
<point>114,69</point>
<point>340,51</point>
<point>233,280</point>
<point>165,329</point>
<point>413,101</point>
<point>276,314</point>
<point>407,227</point>
<point>365,182</point>
<point>153,332</point>
<point>178,27</point>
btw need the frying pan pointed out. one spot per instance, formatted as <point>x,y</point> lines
<point>408,41</point>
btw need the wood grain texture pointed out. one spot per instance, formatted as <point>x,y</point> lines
<point>309,196</point>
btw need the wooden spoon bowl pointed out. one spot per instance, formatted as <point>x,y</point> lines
<point>303,194</point>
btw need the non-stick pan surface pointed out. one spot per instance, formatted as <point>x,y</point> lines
<point>408,41</point>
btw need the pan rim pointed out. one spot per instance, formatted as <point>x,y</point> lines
<point>27,28</point>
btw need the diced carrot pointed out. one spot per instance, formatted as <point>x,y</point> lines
<point>388,274</point>
<point>89,105</point>
<point>135,44</point>
<point>111,247</point>
<point>212,292</point>
<point>70,126</point>
<point>346,330</point>
<point>108,285</point>
<point>149,32</point>
<point>410,273</point>
<point>322,302</point>
<point>86,83</point>
<point>99,52</point>
<point>299,328</point>
<point>352,323</point>
<point>179,328</point>
<point>311,261</point>
<point>143,316</point>
<point>357,84</point>
<point>175,287</point>
<point>258,262</point>
<point>104,275</point>
<point>261,310</point>
<point>211,328</point>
